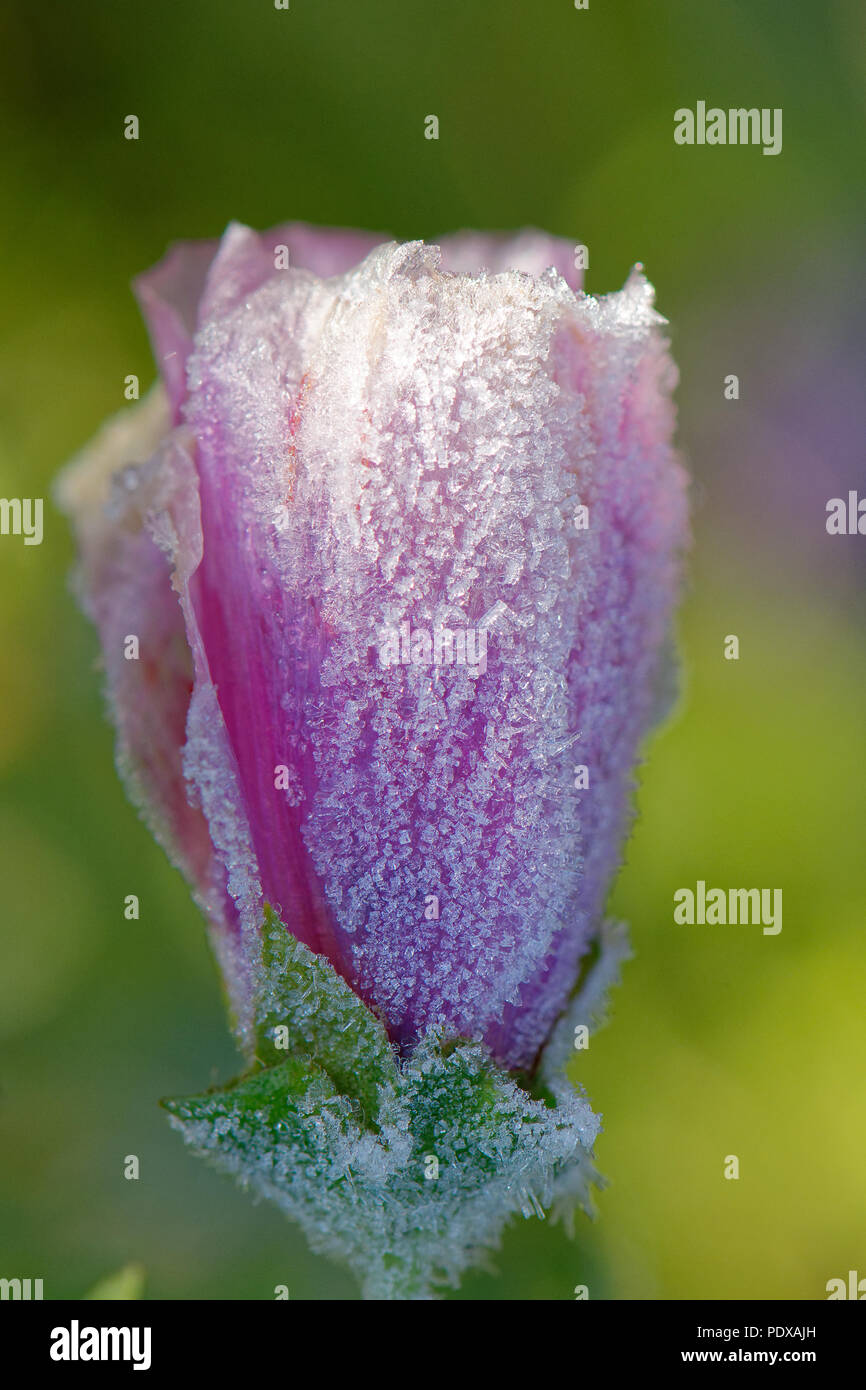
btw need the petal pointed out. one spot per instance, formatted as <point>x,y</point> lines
<point>132,495</point>
<point>613,354</point>
<point>326,251</point>
<point>529,251</point>
<point>435,453</point>
<point>261,641</point>
<point>171,294</point>
<point>246,260</point>
<point>168,296</point>
<point>170,501</point>
<point>125,582</point>
<point>408,446</point>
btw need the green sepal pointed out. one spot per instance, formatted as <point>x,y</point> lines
<point>301,993</point>
<point>407,1170</point>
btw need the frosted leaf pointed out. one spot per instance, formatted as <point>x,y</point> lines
<point>407,1170</point>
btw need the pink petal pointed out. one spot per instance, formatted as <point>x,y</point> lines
<point>530,251</point>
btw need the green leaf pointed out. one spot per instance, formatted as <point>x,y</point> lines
<point>323,1019</point>
<point>406,1170</point>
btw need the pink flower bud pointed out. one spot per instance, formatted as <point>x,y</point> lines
<point>399,539</point>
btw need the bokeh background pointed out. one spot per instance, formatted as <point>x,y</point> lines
<point>722,1041</point>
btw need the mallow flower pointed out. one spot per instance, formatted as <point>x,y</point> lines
<point>397,539</point>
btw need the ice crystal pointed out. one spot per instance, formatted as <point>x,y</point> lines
<point>407,1170</point>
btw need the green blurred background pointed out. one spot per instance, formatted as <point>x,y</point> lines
<point>722,1041</point>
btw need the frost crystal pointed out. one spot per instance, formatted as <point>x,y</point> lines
<point>409,1170</point>
<point>400,538</point>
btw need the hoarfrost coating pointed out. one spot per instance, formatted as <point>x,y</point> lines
<point>391,438</point>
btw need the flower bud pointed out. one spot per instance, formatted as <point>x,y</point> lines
<point>399,539</point>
